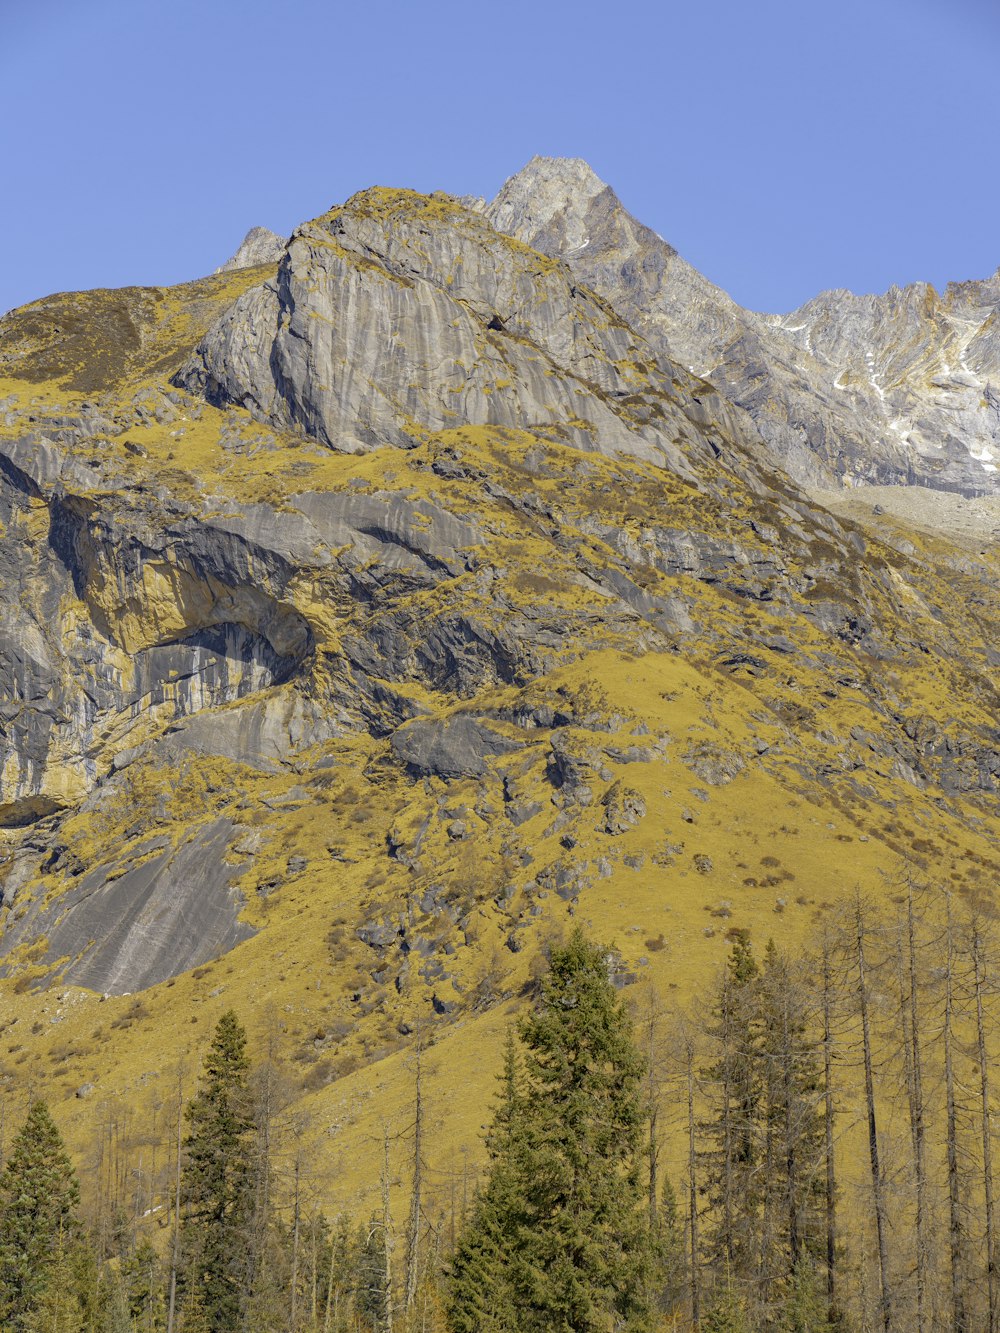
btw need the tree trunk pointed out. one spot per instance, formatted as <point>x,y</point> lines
<point>727,1132</point>
<point>979,972</point>
<point>693,1196</point>
<point>296,1225</point>
<point>791,1144</point>
<point>878,1184</point>
<point>387,1229</point>
<point>917,1117</point>
<point>413,1227</point>
<point>328,1309</point>
<point>175,1244</point>
<point>653,1096</point>
<point>828,1112</point>
<point>956,1239</point>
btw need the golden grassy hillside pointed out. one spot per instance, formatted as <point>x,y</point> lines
<point>708,706</point>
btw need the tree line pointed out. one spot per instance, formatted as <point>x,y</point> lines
<point>810,1148</point>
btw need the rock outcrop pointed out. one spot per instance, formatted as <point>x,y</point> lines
<point>893,389</point>
<point>401,314</point>
<point>259,246</point>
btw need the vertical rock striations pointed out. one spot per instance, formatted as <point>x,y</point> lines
<point>892,389</point>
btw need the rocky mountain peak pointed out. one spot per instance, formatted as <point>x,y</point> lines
<point>849,390</point>
<point>546,189</point>
<point>399,313</point>
<point>259,246</point>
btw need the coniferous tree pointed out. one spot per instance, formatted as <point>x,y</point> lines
<point>989,1213</point>
<point>337,1282</point>
<point>915,1060</point>
<point>371,1297</point>
<point>830,1187</point>
<point>733,1172</point>
<point>116,1315</point>
<point>694,1246</point>
<point>569,1225</point>
<point>482,1290</point>
<point>39,1195</point>
<point>670,1277</point>
<point>956,1220</point>
<point>726,1314</point>
<point>806,1309</point>
<point>792,1187</point>
<point>71,1301</point>
<point>217,1183</point>
<point>861,938</point>
<point>586,1252</point>
<point>142,1276</point>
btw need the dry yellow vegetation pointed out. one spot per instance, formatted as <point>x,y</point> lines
<point>756,756</point>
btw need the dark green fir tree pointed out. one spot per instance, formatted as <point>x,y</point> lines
<point>806,1305</point>
<point>217,1184</point>
<point>726,1314</point>
<point>733,1161</point>
<point>38,1224</point>
<point>561,1230</point>
<point>482,1292</point>
<point>371,1297</point>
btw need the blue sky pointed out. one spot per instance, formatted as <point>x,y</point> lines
<point>783,146</point>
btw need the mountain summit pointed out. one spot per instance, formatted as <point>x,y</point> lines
<point>897,389</point>
<point>259,246</point>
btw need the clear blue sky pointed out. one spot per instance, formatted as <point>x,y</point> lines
<point>783,146</point>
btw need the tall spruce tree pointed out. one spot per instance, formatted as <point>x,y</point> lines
<point>562,1225</point>
<point>806,1309</point>
<point>482,1291</point>
<point>726,1314</point>
<point>792,1196</point>
<point>733,1169</point>
<point>217,1184</point>
<point>71,1301</point>
<point>39,1194</point>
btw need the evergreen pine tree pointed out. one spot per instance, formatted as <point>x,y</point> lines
<point>71,1301</point>
<point>806,1306</point>
<point>116,1316</point>
<point>143,1278</point>
<point>217,1186</point>
<point>482,1295</point>
<point>726,1314</point>
<point>38,1199</point>
<point>371,1300</point>
<point>733,1173</point>
<point>562,1225</point>
<point>792,1189</point>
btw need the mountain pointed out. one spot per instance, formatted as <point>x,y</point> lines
<point>902,388</point>
<point>367,615</point>
<point>259,246</point>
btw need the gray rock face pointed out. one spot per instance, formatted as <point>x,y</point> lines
<point>172,911</point>
<point>891,389</point>
<point>398,314</point>
<point>623,809</point>
<point>259,246</point>
<point>186,613</point>
<point>458,747</point>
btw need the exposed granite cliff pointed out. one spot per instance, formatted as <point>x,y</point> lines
<point>900,388</point>
<point>259,246</point>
